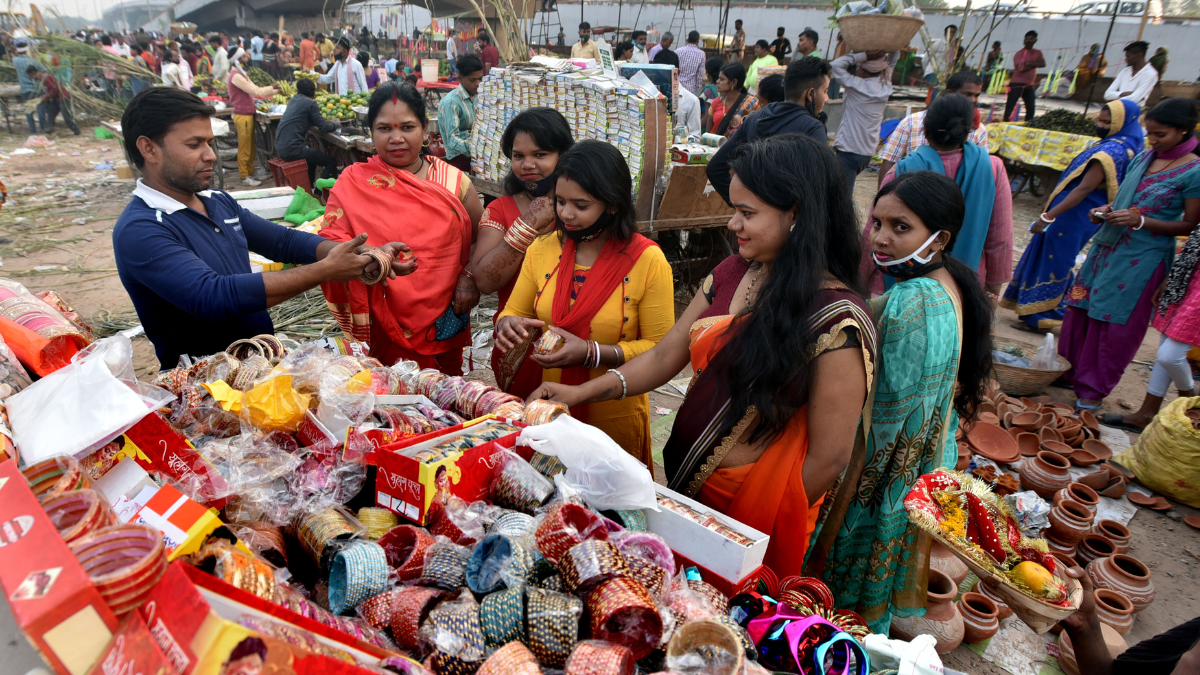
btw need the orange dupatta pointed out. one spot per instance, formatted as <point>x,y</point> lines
<point>394,205</point>
<point>757,494</point>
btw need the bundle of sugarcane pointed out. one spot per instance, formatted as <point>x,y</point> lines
<point>509,21</point>
<point>63,55</point>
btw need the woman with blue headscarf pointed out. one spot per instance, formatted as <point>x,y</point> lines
<point>985,242</point>
<point>1045,270</point>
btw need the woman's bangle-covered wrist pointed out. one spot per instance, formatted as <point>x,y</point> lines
<point>520,235</point>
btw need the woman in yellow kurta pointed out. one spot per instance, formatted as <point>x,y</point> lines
<point>606,290</point>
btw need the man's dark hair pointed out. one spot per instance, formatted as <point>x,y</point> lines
<point>257,33</point>
<point>666,57</point>
<point>31,70</point>
<point>484,38</point>
<point>802,75</point>
<point>153,112</point>
<point>693,37</point>
<point>304,35</point>
<point>1032,32</point>
<point>770,89</point>
<point>1139,46</point>
<point>961,79</point>
<point>274,36</point>
<point>321,35</point>
<point>306,87</point>
<point>811,35</point>
<point>344,43</point>
<point>947,29</point>
<point>105,40</point>
<point>214,39</point>
<point>736,21</point>
<point>585,26</point>
<point>764,44</point>
<point>637,34</point>
<point>411,78</point>
<point>469,64</point>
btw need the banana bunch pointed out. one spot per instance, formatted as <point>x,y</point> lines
<point>306,75</point>
<point>287,90</point>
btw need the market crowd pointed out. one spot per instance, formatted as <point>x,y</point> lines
<point>834,354</point>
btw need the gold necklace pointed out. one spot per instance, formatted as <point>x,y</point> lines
<point>750,288</point>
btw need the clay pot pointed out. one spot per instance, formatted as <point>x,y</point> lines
<point>1117,533</point>
<point>1049,434</point>
<point>941,559</point>
<point>987,407</point>
<point>1100,450</point>
<point>1124,574</point>
<point>1094,546</point>
<point>964,457</point>
<point>1063,409</point>
<point>1083,458</point>
<point>1027,420</point>
<point>1016,432</point>
<point>1114,609</point>
<point>1002,411</point>
<point>1080,493</point>
<point>1142,500</point>
<point>985,589</point>
<point>988,418</point>
<point>1192,522</point>
<point>1059,548</point>
<point>989,440</point>
<point>1028,444</point>
<point>1115,489</point>
<point>942,619</point>
<point>981,617</point>
<point>1007,421</point>
<point>1070,521</point>
<point>1097,480</point>
<point>1089,421</point>
<point>1042,400</point>
<point>1058,448</point>
<point>1045,474</point>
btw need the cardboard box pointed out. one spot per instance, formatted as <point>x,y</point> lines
<point>407,486</point>
<point>52,599</point>
<point>192,617</point>
<point>156,446</point>
<point>709,549</point>
<point>184,523</point>
<point>132,652</point>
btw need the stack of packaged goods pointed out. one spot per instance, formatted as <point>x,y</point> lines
<point>595,106</point>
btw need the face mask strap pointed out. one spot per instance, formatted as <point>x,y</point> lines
<point>915,255</point>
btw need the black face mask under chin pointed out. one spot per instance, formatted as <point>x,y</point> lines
<point>1102,132</point>
<point>538,188</point>
<point>811,108</point>
<point>589,233</point>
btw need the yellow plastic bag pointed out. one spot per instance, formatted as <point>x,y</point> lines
<point>273,405</point>
<point>1166,458</point>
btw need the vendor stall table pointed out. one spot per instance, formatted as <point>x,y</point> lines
<point>265,126</point>
<point>434,91</point>
<point>1035,156</point>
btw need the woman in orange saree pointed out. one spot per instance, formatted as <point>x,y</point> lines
<point>782,346</point>
<point>402,195</point>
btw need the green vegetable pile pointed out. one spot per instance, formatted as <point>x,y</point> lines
<point>1065,121</point>
<point>259,77</point>
<point>334,107</point>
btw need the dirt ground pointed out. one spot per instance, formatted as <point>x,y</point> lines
<point>55,233</point>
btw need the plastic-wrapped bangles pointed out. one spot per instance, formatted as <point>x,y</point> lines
<point>589,563</point>
<point>410,606</point>
<point>552,625</point>
<point>377,609</point>
<point>54,476</point>
<point>497,561</point>
<point>513,658</point>
<point>566,525</point>
<point>359,571</point>
<point>445,566</point>
<point>653,577</point>
<point>622,612</point>
<point>377,520</point>
<point>502,616</point>
<point>123,562</point>
<point>649,546</point>
<point>76,513</point>
<point>405,546</point>
<point>598,658</point>
<point>513,524</point>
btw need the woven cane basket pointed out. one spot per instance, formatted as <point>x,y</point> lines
<point>1018,381</point>
<point>868,32</point>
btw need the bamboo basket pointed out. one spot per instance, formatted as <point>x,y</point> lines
<point>869,32</point>
<point>1018,381</point>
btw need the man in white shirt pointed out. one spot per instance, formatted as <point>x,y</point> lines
<point>1137,79</point>
<point>688,113</point>
<point>867,92</point>
<point>171,74</point>
<point>452,54</point>
<point>256,49</point>
<point>220,60</point>
<point>346,74</point>
<point>639,48</point>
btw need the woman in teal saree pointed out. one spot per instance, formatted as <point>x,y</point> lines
<point>934,328</point>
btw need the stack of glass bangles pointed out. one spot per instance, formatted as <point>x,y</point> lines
<point>124,562</point>
<point>385,265</point>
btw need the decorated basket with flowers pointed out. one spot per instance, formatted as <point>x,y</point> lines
<point>965,515</point>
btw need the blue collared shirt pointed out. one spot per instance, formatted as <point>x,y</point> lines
<point>189,274</point>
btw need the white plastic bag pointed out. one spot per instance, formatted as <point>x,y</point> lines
<point>1044,359</point>
<point>598,470</point>
<point>80,407</point>
<point>917,657</point>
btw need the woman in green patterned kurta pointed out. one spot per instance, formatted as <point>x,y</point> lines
<point>934,334</point>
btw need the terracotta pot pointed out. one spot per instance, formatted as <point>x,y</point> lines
<point>1100,450</point>
<point>1089,420</point>
<point>1029,403</point>
<point>1117,533</point>
<point>1097,480</point>
<point>942,619</point>
<point>1007,421</point>
<point>1002,411</point>
<point>941,559</point>
<point>1049,434</point>
<point>1080,493</point>
<point>1094,546</point>
<point>1063,409</point>
<point>1114,609</point>
<point>1026,420</point>
<point>1070,521</point>
<point>1115,489</point>
<point>981,617</point>
<point>987,407</point>
<point>964,457</point>
<point>1124,574</point>
<point>1042,400</point>
<point>1059,548</point>
<point>1083,458</point>
<point>1058,448</point>
<point>985,589</point>
<point>1029,444</point>
<point>1045,474</point>
<point>1016,432</point>
<point>988,418</point>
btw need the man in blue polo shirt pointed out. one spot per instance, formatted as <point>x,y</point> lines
<point>182,249</point>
